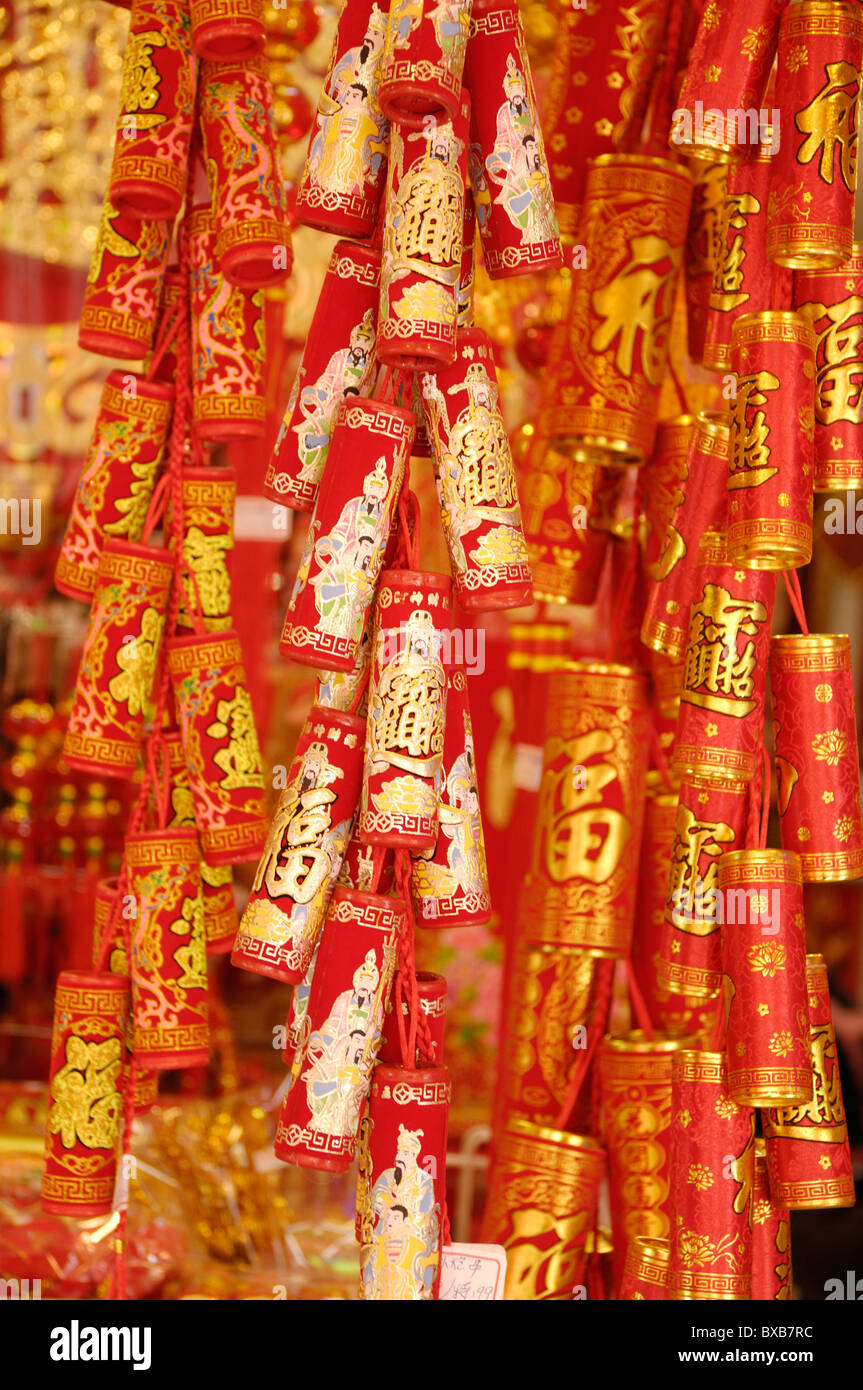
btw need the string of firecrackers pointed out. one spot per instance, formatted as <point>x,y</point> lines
<point>758,230</point>
<point>379,827</point>
<point>161,691</point>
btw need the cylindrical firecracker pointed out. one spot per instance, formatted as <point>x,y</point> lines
<point>358,868</point>
<point>645,1270</point>
<point>295,878</point>
<point>467,273</point>
<point>764,962</point>
<point>253,236</point>
<point>772,441</point>
<point>338,361</point>
<point>347,690</point>
<point>562,505</point>
<point>344,175</point>
<point>704,249</point>
<point>123,285</point>
<point>666,679</point>
<point>635,1125</point>
<point>170,1025</point>
<point>228,393</point>
<point>220,745</point>
<point>597,92</point>
<point>217,881</point>
<point>542,1198</point>
<point>157,111</point>
<point>831,302</point>
<point>699,504</point>
<point>119,660</point>
<point>402,1184</point>
<point>347,539</point>
<point>320,1116</point>
<point>719,107</point>
<point>85,1090</point>
<point>449,886</point>
<point>744,279</point>
<point>721,721</point>
<point>146,1090</point>
<point>808,1155</point>
<point>297,1026</point>
<point>772,1276</point>
<point>580,890</point>
<point>508,168</point>
<point>103,906</point>
<point>547,1012</point>
<point>118,477</point>
<point>475,479</point>
<point>659,486</point>
<point>431,991</point>
<point>814,172</point>
<point>208,539</point>
<point>711,820</point>
<point>817,770</point>
<point>222,31</point>
<point>423,60</point>
<point>603,385</point>
<point>657,842</point>
<point>712,1171</point>
<point>407,704</point>
<point>422,247</point>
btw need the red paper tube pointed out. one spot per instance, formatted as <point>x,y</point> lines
<point>402,1184</point>
<point>764,961</point>
<point>123,285</point>
<point>298,1028</point>
<point>468,262</point>
<point>343,179</point>
<point>407,703</point>
<point>605,376</point>
<point>117,479</point>
<point>157,110</point>
<point>295,878</point>
<point>703,250</point>
<point>358,868</point>
<point>347,539</point>
<point>338,361</point>
<point>475,478</point>
<point>712,1171</point>
<point>699,505</point>
<point>636,1125</point>
<point>103,906</point>
<point>580,890</point>
<point>449,886</point>
<point>217,881</point>
<point>228,394</point>
<point>597,94</point>
<point>816,751</point>
<point>85,1090</point>
<point>232,30</point>
<point>431,991</point>
<point>557,1176</point>
<point>423,60</point>
<point>808,1156</point>
<point>320,1116</point>
<point>119,660</point>
<point>253,236</point>
<point>220,745</point>
<point>711,819</point>
<point>660,489</point>
<point>721,721</point>
<point>208,540</point>
<point>772,442</point>
<point>645,1271</point>
<point>813,174</point>
<point>508,168</point>
<point>772,1277</point>
<point>562,501</point>
<point>831,302</point>
<point>720,108</point>
<point>422,246</point>
<point>169,951</point>
<point>744,279</point>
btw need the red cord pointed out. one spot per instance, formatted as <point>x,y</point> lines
<point>795,597</point>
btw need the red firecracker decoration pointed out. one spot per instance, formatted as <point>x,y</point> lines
<point>123,285</point>
<point>232,30</point>
<point>831,302</point>
<point>423,60</point>
<point>208,540</point>
<point>217,881</point>
<point>645,1271</point>
<point>772,1276</point>
<point>432,996</point>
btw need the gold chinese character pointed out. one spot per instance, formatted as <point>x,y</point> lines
<point>639,300</point>
<point>717,675</point>
<point>830,120</point>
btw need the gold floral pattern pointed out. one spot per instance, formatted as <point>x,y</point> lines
<point>843,829</point>
<point>766,958</point>
<point>830,746</point>
<point>781,1043</point>
<point>700,1176</point>
<point>725,1107</point>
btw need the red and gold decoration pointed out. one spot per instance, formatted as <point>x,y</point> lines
<point>432,996</point>
<point>85,1089</point>
<point>232,30</point>
<point>771,1237</point>
<point>817,768</point>
<point>423,60</point>
<point>124,284</point>
<point>217,881</point>
<point>208,540</point>
<point>831,303</point>
<point>712,1173</point>
<point>808,1157</point>
<point>645,1270</point>
<point>764,961</point>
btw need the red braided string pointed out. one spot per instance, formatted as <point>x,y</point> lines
<point>636,1002</point>
<point>795,597</point>
<point>168,329</point>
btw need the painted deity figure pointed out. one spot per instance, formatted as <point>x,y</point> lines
<point>339,1055</point>
<point>516,163</point>
<point>402,1258</point>
<point>347,373</point>
<point>460,819</point>
<point>349,558</point>
<point>350,145</point>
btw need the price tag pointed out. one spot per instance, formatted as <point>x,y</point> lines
<point>472,1273</point>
